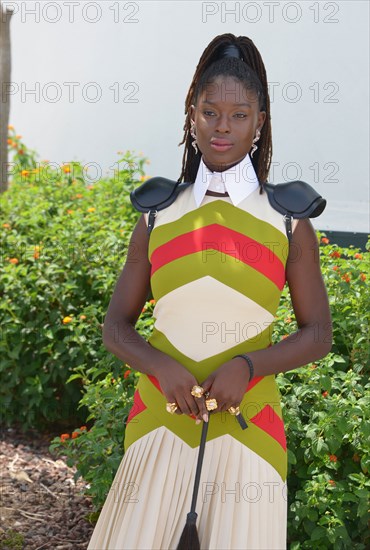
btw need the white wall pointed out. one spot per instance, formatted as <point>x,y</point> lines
<point>316,56</point>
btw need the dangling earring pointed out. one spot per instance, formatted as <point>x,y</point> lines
<point>193,135</point>
<point>254,146</point>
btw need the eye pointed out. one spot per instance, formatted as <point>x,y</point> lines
<point>208,113</point>
<point>241,115</point>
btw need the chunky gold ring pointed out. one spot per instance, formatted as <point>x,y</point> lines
<point>171,407</point>
<point>234,410</point>
<point>197,391</point>
<point>211,404</point>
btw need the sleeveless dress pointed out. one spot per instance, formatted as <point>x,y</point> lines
<point>217,275</point>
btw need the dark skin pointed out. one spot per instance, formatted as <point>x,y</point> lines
<point>220,115</point>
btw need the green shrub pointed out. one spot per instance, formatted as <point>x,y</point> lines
<point>109,389</point>
<point>63,243</point>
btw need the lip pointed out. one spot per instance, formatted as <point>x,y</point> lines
<point>221,144</point>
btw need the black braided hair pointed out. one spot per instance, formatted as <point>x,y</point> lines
<point>252,73</point>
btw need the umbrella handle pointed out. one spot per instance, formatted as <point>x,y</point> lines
<point>202,446</point>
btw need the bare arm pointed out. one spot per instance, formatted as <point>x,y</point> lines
<point>121,338</point>
<point>313,338</point>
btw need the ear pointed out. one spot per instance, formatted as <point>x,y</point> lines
<point>261,119</point>
<point>192,112</point>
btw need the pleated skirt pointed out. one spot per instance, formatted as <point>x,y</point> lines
<point>242,500</point>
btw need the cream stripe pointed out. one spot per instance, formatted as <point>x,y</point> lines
<point>255,204</point>
<point>200,327</point>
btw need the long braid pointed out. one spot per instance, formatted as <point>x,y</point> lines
<point>262,158</point>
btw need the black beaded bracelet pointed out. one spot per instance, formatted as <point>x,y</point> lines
<point>250,364</point>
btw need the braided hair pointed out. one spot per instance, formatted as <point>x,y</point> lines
<point>252,73</point>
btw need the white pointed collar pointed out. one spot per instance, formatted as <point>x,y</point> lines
<point>239,180</point>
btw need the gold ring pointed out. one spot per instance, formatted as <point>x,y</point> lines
<point>171,407</point>
<point>197,391</point>
<point>211,404</point>
<point>234,410</point>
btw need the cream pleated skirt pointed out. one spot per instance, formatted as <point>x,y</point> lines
<point>242,500</point>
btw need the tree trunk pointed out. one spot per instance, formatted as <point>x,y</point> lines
<point>5,65</point>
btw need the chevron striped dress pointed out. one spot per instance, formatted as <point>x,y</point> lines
<point>217,275</point>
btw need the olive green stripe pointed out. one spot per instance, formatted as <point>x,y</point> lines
<point>184,427</point>
<point>226,215</point>
<point>226,269</point>
<point>202,369</point>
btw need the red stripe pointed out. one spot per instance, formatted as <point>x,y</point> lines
<point>255,381</point>
<point>271,423</point>
<point>155,382</point>
<point>138,407</point>
<point>224,240</point>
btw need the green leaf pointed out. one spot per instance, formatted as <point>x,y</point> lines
<point>325,382</point>
<point>318,533</point>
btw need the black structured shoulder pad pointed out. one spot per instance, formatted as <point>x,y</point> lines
<point>156,193</point>
<point>296,199</point>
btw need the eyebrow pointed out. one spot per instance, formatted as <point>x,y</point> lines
<point>236,104</point>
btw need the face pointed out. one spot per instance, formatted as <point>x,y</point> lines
<point>226,118</point>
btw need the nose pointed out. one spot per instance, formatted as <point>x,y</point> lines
<point>223,125</point>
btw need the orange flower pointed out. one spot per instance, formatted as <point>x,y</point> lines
<point>6,225</point>
<point>358,256</point>
<point>66,169</point>
<point>335,254</point>
<point>74,435</point>
<point>332,482</point>
<point>20,152</point>
<point>363,277</point>
<point>324,240</point>
<point>78,196</point>
<point>63,437</point>
<point>25,173</point>
<point>325,394</point>
<point>313,366</point>
<point>126,374</point>
<point>333,458</point>
<point>82,317</point>
<point>346,277</point>
<point>69,211</point>
<point>14,261</point>
<point>144,309</point>
<point>336,268</point>
<point>91,209</point>
<point>89,187</point>
<point>151,301</point>
<point>284,336</point>
<point>10,141</point>
<point>83,428</point>
<point>10,127</point>
<point>67,320</point>
<point>36,255</point>
<point>18,136</point>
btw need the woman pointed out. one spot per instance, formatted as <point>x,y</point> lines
<point>216,261</point>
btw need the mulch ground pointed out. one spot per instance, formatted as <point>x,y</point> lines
<point>41,506</point>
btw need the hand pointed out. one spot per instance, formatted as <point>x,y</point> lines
<point>228,384</point>
<point>176,383</point>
